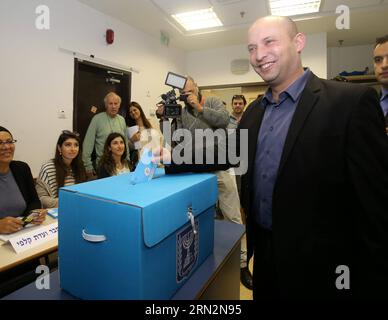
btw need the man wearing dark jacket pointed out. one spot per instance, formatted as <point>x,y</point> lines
<point>380,62</point>
<point>316,189</point>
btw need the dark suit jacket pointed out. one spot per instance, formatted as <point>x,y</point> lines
<point>23,177</point>
<point>330,200</point>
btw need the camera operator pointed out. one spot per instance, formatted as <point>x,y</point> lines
<point>200,114</point>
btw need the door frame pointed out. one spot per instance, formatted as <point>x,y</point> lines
<point>77,63</point>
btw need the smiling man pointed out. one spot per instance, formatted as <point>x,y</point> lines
<point>380,62</point>
<point>316,188</point>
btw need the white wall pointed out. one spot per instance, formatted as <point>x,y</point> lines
<point>354,58</point>
<point>36,78</point>
<point>212,67</point>
<point>314,54</point>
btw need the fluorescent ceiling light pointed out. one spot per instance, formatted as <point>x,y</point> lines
<point>293,7</point>
<point>199,19</point>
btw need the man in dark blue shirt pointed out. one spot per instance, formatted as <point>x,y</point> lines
<point>380,61</point>
<point>272,136</point>
<point>315,192</point>
<point>316,187</point>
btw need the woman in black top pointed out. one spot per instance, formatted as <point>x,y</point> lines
<point>17,191</point>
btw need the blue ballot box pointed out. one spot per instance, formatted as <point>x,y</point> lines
<point>124,241</point>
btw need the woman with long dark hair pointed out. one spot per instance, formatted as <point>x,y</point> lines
<point>114,158</point>
<point>146,136</point>
<point>65,169</point>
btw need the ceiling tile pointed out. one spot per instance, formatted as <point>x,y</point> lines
<point>179,6</point>
<point>230,13</point>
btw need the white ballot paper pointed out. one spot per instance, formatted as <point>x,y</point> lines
<point>131,131</point>
<point>145,169</point>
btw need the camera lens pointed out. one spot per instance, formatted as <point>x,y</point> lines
<point>183,98</point>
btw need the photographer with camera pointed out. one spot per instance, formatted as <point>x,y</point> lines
<point>201,113</point>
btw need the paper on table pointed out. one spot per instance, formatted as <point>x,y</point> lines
<point>131,131</point>
<point>53,212</point>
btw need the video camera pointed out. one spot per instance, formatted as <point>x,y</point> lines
<point>172,109</point>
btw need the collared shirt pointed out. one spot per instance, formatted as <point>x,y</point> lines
<point>272,136</point>
<point>233,122</point>
<point>384,101</point>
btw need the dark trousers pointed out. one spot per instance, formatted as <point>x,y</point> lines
<point>18,277</point>
<point>265,282</point>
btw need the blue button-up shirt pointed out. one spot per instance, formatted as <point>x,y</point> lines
<point>272,136</point>
<point>384,101</point>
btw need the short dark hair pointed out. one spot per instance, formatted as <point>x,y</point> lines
<point>239,97</point>
<point>381,40</point>
<point>5,130</point>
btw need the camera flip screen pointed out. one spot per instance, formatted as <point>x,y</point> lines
<point>175,80</point>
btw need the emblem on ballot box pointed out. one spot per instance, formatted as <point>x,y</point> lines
<point>187,243</point>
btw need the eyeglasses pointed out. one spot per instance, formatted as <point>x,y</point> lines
<point>7,143</point>
<point>70,133</point>
<point>238,96</point>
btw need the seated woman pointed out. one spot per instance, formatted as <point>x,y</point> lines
<point>18,194</point>
<point>114,158</point>
<point>65,169</point>
<point>146,136</point>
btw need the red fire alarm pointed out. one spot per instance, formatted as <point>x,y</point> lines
<point>109,36</point>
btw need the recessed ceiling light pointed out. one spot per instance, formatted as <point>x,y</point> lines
<point>199,19</point>
<point>293,7</point>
